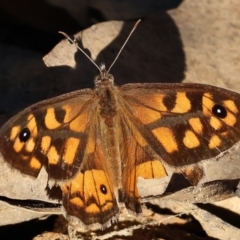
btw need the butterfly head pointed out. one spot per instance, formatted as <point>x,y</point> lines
<point>104,78</point>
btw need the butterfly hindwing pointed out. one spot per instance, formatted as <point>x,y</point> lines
<point>89,197</point>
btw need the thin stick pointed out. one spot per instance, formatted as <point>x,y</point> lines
<point>134,27</point>
<point>72,41</point>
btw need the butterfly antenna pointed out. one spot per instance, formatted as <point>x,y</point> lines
<point>80,49</point>
<point>133,29</point>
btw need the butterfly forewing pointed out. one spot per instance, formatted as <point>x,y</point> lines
<point>184,123</point>
<point>49,134</point>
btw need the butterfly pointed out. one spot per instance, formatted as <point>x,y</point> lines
<point>94,144</point>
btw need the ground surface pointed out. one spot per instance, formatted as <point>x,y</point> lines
<point>196,42</point>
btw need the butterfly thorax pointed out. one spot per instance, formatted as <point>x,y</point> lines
<point>105,90</point>
<point>107,103</point>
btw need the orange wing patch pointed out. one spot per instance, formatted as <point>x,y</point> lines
<point>166,137</point>
<point>45,143</point>
<point>207,104</point>
<point>230,119</point>
<point>30,145</point>
<point>215,123</point>
<point>151,169</point>
<point>32,125</point>
<point>190,140</point>
<point>14,132</point>
<point>147,170</point>
<point>71,147</point>
<point>147,115</point>
<point>153,101</point>
<point>183,104</point>
<point>196,125</point>
<point>214,142</point>
<point>231,106</point>
<point>79,123</point>
<point>18,145</point>
<point>50,119</point>
<point>53,156</point>
<point>35,163</point>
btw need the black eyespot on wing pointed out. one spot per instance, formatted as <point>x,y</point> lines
<point>24,135</point>
<point>103,189</point>
<point>219,111</point>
